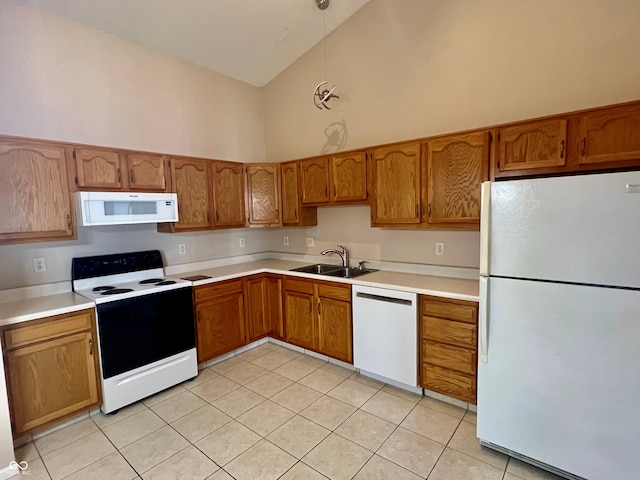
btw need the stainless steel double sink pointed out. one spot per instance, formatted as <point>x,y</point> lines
<point>333,270</point>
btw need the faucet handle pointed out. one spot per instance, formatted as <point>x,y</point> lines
<point>361,264</point>
<point>343,249</point>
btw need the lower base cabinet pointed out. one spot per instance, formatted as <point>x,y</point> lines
<point>448,347</point>
<point>264,306</point>
<point>318,317</point>
<point>52,369</point>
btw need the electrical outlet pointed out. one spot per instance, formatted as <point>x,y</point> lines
<point>182,249</point>
<point>439,248</point>
<point>311,242</point>
<point>286,240</point>
<point>242,243</point>
<point>39,265</point>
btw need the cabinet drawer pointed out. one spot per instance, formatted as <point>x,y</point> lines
<point>46,330</point>
<point>217,289</point>
<point>302,286</point>
<point>454,358</point>
<point>449,383</point>
<point>449,332</point>
<point>336,291</point>
<point>451,309</point>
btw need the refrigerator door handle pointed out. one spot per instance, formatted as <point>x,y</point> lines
<point>483,319</point>
<point>485,227</point>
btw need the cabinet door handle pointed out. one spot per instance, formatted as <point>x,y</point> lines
<point>119,176</point>
<point>417,211</point>
<point>429,210</point>
<point>277,215</point>
<point>318,309</point>
<point>132,176</point>
<point>91,346</point>
<point>561,148</point>
<point>295,213</point>
<point>68,222</point>
<point>583,147</point>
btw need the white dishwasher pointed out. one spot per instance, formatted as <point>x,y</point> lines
<point>385,333</point>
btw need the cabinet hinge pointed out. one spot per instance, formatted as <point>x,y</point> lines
<point>74,153</point>
<point>498,164</point>
<point>490,137</point>
<point>76,180</point>
<point>498,137</point>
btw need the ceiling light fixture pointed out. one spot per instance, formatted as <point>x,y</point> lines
<point>321,97</point>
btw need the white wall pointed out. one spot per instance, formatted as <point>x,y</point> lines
<point>414,68</point>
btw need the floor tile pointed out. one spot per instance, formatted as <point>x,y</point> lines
<point>431,423</point>
<point>65,436</point>
<point>220,475</point>
<point>328,412</point>
<point>271,361</point>
<point>301,471</point>
<point>470,417</point>
<point>313,360</point>
<point>366,430</point>
<point>226,365</point>
<point>252,354</point>
<point>388,407</point>
<point>290,353</point>
<point>298,436</point>
<point>203,375</point>
<point>443,407</point>
<point>227,442</point>
<point>321,380</point>
<point>263,461</point>
<point>238,401</point>
<point>269,384</point>
<point>378,468</point>
<point>245,373</point>
<point>153,449</point>
<point>178,406</point>
<point>35,471</point>
<point>111,467</point>
<point>215,388</point>
<point>368,381</point>
<point>187,464</point>
<point>337,458</point>
<point>402,393</point>
<point>200,423</point>
<point>163,395</point>
<point>464,440</point>
<point>529,472</point>
<point>295,369</point>
<point>296,397</point>
<point>353,393</point>
<point>457,465</point>
<point>133,428</point>
<point>77,455</point>
<point>265,417</point>
<point>411,451</point>
<point>103,420</point>
<point>337,370</point>
<point>26,452</point>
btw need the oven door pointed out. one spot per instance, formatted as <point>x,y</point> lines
<point>139,331</point>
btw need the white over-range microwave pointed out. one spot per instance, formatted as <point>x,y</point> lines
<point>123,208</point>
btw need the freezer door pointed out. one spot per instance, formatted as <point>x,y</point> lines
<point>561,383</point>
<point>583,229</point>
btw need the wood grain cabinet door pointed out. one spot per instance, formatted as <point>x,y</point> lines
<point>314,180</point>
<point>257,308</point>
<point>300,321</point>
<point>273,305</point>
<point>228,194</point>
<point>335,337</point>
<point>146,172</point>
<point>51,379</point>
<point>97,168</point>
<point>34,193</point>
<point>191,182</point>
<point>220,325</point>
<point>396,185</point>
<point>533,145</point>
<point>456,167</point>
<point>263,194</point>
<point>349,178</point>
<point>610,135</point>
<point>290,194</point>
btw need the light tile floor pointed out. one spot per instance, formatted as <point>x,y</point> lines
<point>273,413</point>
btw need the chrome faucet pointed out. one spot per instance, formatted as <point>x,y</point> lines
<point>344,254</point>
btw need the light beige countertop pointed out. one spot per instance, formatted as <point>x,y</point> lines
<point>39,307</point>
<point>458,288</point>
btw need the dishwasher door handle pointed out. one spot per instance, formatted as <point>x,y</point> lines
<point>380,298</point>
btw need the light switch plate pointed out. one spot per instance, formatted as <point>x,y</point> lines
<point>311,242</point>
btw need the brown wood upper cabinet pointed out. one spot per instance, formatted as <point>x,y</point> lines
<point>263,194</point>
<point>34,192</point>
<point>228,194</point>
<point>115,170</point>
<point>532,145</point>
<point>293,213</point>
<point>610,135</point>
<point>456,166</point>
<point>395,182</point>
<point>191,181</point>
<point>335,179</point>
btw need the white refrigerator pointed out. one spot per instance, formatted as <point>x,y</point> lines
<point>559,362</point>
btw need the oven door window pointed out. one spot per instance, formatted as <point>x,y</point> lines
<point>138,331</point>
